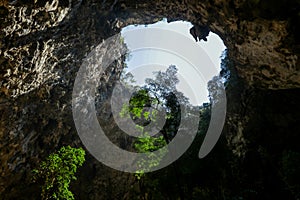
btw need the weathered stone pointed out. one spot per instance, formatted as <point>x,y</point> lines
<point>43,44</point>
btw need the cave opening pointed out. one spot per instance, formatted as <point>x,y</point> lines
<point>143,63</point>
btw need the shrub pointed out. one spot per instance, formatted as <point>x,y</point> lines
<point>57,171</point>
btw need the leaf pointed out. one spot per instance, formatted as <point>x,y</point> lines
<point>58,170</point>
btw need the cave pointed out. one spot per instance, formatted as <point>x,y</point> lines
<point>44,43</point>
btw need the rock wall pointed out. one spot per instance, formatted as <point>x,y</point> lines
<point>43,43</point>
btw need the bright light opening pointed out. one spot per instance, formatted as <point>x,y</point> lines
<point>213,48</point>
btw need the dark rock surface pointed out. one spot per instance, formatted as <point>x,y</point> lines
<point>43,43</point>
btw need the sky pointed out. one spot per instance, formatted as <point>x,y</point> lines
<point>193,79</point>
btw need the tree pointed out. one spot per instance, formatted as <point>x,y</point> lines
<point>57,171</point>
<point>158,95</point>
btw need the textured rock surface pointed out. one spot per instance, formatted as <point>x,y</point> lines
<point>44,42</point>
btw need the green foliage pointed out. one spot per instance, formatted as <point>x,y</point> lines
<point>226,67</point>
<point>57,171</point>
<point>124,111</point>
<point>159,93</point>
<point>122,40</point>
<point>127,78</point>
<point>147,144</point>
<point>204,111</point>
<point>137,103</point>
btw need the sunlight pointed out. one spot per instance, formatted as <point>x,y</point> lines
<point>191,85</point>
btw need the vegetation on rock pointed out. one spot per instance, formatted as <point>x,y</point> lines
<point>57,172</point>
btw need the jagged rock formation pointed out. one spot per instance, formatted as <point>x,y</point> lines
<point>199,32</point>
<point>44,42</point>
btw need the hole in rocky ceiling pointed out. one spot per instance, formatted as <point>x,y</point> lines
<point>174,45</point>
